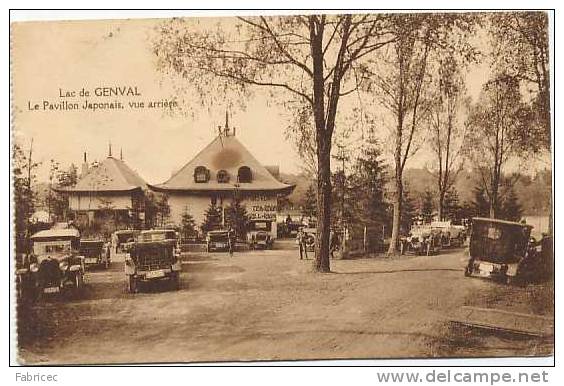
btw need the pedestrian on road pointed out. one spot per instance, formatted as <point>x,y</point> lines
<point>301,240</point>
<point>231,241</point>
<point>334,244</point>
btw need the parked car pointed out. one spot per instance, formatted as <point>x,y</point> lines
<point>260,240</point>
<point>217,241</point>
<point>55,264</point>
<point>122,240</point>
<point>152,260</point>
<point>505,250</point>
<point>94,253</point>
<point>421,240</point>
<point>451,235</point>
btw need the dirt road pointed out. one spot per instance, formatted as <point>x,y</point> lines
<point>266,305</point>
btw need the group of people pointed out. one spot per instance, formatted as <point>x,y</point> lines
<point>302,241</point>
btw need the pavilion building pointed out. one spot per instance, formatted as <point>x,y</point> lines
<point>108,190</point>
<point>219,173</point>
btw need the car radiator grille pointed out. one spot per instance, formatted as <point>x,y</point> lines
<point>151,263</point>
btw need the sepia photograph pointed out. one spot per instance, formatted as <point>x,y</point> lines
<point>294,186</point>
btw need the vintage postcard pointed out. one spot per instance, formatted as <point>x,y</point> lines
<point>373,185</point>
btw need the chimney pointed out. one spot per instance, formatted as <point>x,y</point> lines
<point>121,154</point>
<point>84,170</point>
<point>110,149</point>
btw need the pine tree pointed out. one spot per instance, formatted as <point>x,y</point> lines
<point>212,219</point>
<point>408,212</point>
<point>451,205</point>
<point>510,207</point>
<point>187,224</point>
<point>427,206</point>
<point>236,217</point>
<point>310,202</point>
<point>480,204</point>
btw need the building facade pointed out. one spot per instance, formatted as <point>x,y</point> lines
<point>107,192</point>
<point>220,173</point>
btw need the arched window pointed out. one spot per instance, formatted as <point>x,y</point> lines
<point>222,176</point>
<point>244,174</point>
<point>201,174</point>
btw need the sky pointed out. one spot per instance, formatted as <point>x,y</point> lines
<point>53,57</point>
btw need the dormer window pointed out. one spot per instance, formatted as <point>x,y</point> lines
<point>244,174</point>
<point>201,174</point>
<point>222,177</point>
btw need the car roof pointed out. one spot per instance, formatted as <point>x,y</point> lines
<point>498,221</point>
<point>68,232</point>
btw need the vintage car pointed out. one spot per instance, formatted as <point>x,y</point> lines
<point>421,240</point>
<point>217,241</point>
<point>451,235</point>
<point>505,250</point>
<point>94,253</point>
<point>122,240</point>
<point>260,240</point>
<point>152,260</point>
<point>55,264</point>
<point>259,236</point>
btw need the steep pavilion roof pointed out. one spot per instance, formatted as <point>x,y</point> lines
<point>111,175</point>
<point>225,152</point>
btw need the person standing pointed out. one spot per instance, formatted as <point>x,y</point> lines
<point>301,240</point>
<point>230,241</point>
<point>334,244</point>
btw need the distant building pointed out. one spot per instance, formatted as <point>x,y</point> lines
<point>109,190</point>
<point>225,169</point>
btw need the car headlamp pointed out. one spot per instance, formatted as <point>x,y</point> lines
<point>63,265</point>
<point>34,267</point>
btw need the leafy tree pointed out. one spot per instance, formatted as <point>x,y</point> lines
<point>24,179</point>
<point>187,224</point>
<point>402,85</point>
<point>494,122</point>
<point>57,202</point>
<point>236,217</point>
<point>212,219</point>
<point>446,133</point>
<point>311,59</point>
<point>157,209</point>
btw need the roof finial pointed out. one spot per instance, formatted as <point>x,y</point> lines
<point>84,157</point>
<point>110,149</point>
<point>121,153</point>
<point>226,119</point>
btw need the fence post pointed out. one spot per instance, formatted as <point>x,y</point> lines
<point>364,239</point>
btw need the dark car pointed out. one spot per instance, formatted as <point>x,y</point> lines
<point>150,261</point>
<point>504,250</point>
<point>94,253</point>
<point>217,241</point>
<point>55,263</point>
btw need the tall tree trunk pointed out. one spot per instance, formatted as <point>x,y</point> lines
<point>397,205</point>
<point>321,263</point>
<point>441,204</point>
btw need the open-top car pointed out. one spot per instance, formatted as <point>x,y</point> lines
<point>94,253</point>
<point>421,240</point>
<point>451,235</point>
<point>152,260</point>
<point>504,250</point>
<point>55,263</point>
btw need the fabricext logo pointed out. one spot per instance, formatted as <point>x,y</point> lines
<point>36,377</point>
<point>474,377</point>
